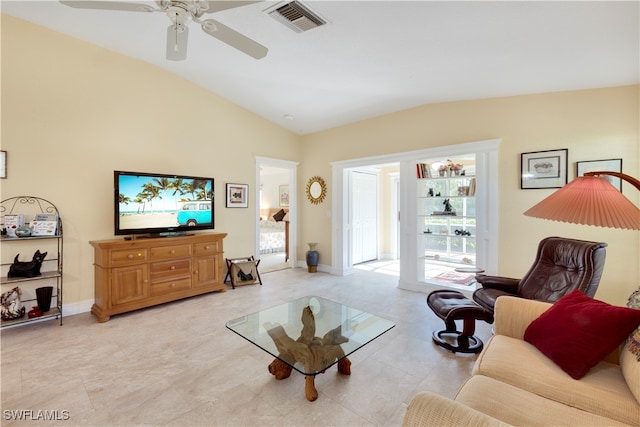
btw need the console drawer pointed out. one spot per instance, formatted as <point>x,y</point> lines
<point>208,248</point>
<point>170,286</point>
<point>128,256</point>
<point>166,270</point>
<point>170,252</point>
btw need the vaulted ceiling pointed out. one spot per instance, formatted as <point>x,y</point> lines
<point>377,57</point>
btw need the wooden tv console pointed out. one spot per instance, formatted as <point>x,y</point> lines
<point>138,273</point>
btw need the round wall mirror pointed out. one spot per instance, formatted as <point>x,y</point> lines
<point>316,190</point>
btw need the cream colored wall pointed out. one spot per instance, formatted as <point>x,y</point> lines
<point>591,124</point>
<point>384,209</point>
<point>72,113</point>
<point>271,189</point>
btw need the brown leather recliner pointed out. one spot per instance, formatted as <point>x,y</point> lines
<point>561,266</point>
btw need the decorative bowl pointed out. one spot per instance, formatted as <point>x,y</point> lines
<point>23,232</point>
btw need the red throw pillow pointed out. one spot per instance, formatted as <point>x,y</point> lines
<point>577,332</point>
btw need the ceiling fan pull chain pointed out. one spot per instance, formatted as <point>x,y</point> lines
<point>175,46</point>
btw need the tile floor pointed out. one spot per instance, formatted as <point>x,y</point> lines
<point>177,364</point>
<point>272,262</point>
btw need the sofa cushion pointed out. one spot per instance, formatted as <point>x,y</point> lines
<point>602,391</point>
<point>634,339</point>
<point>577,332</point>
<point>520,407</point>
<point>630,364</point>
<point>630,356</point>
<point>430,409</point>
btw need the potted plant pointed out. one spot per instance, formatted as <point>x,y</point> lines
<point>456,168</point>
<point>443,169</point>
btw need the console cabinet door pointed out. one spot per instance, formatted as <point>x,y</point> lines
<point>206,271</point>
<point>129,284</point>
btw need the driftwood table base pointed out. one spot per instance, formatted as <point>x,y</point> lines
<point>281,370</point>
<point>313,352</point>
<point>322,336</point>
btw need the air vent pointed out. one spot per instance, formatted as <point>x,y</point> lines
<point>297,16</point>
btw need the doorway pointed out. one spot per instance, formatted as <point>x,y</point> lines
<point>373,212</point>
<point>276,225</point>
<point>364,207</point>
<point>487,214</point>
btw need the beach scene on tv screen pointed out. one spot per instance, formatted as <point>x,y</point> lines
<point>159,202</point>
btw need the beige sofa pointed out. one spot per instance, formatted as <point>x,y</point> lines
<point>515,384</point>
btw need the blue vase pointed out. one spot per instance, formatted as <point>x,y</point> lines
<point>312,258</point>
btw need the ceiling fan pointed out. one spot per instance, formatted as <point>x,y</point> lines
<point>181,12</point>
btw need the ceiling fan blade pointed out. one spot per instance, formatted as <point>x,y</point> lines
<point>177,36</point>
<point>219,5</point>
<point>234,39</point>
<point>108,5</point>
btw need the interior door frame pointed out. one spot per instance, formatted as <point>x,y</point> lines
<point>292,167</point>
<point>394,215</point>
<point>487,206</point>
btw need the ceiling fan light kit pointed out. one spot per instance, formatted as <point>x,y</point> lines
<point>180,13</point>
<point>177,36</point>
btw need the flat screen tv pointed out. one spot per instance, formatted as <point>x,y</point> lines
<point>161,204</point>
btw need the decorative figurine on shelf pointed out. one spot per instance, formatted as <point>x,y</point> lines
<point>34,312</point>
<point>430,193</point>
<point>10,305</point>
<point>447,205</point>
<point>462,232</point>
<point>28,268</point>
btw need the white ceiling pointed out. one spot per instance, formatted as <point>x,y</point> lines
<point>378,57</point>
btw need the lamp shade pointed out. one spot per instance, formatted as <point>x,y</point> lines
<point>589,200</point>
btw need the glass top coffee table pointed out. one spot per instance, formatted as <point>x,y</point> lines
<point>310,334</point>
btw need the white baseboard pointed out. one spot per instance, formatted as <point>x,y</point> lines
<point>77,308</point>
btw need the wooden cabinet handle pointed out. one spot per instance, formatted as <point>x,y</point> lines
<point>173,251</point>
<point>173,285</point>
<point>130,256</point>
<point>173,267</point>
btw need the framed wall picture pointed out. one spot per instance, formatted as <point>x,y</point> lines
<point>237,195</point>
<point>283,196</point>
<point>612,165</point>
<point>3,164</point>
<point>543,169</point>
